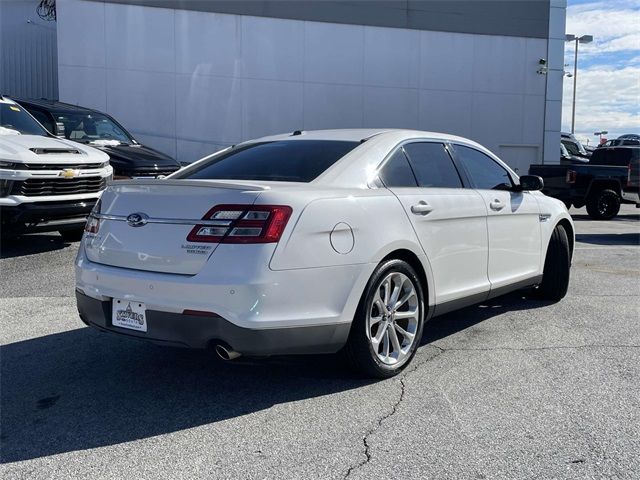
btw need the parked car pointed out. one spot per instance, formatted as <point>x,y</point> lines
<point>312,242</point>
<point>573,145</point>
<point>45,183</point>
<point>623,140</point>
<point>609,179</point>
<point>129,158</point>
<point>630,136</point>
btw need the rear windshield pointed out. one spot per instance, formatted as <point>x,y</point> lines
<point>280,161</point>
<point>614,156</point>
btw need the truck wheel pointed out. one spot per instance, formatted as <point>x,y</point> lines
<point>603,204</point>
<point>72,235</point>
<point>387,327</point>
<point>557,264</point>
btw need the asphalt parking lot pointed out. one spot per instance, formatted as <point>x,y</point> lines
<point>516,388</point>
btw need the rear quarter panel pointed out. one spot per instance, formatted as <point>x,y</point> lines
<point>344,227</point>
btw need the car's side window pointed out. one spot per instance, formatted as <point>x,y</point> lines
<point>432,165</point>
<point>485,173</point>
<point>397,172</point>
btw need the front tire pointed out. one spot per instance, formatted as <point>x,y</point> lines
<point>387,327</point>
<point>603,205</point>
<point>557,265</point>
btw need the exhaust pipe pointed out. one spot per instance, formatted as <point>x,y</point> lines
<point>226,353</point>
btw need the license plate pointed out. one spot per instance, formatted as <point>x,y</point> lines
<point>129,314</point>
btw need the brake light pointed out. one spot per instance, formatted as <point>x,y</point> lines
<point>242,224</point>
<point>93,222</point>
<point>629,174</point>
<point>571,176</point>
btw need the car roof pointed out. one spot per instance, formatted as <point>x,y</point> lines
<point>6,100</point>
<point>356,135</point>
<point>54,105</point>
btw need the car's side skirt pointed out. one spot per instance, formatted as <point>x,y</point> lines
<point>457,304</point>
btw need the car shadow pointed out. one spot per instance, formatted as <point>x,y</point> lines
<point>11,247</point>
<point>443,326</point>
<point>83,389</point>
<point>609,238</point>
<point>626,217</point>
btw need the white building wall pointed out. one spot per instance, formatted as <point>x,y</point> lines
<point>190,82</point>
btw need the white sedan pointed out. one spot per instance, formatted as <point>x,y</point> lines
<point>313,242</point>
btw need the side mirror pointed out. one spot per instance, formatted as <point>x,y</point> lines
<point>530,183</point>
<point>59,129</point>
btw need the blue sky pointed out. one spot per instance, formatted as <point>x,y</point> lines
<point>608,93</point>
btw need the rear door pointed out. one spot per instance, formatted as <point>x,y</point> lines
<point>449,220</point>
<point>513,219</point>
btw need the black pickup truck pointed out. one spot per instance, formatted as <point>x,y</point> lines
<point>609,179</point>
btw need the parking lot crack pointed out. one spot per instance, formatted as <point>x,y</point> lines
<point>401,380</point>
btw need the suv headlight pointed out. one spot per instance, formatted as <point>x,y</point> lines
<point>8,165</point>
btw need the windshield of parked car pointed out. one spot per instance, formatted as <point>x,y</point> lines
<point>574,147</point>
<point>279,161</point>
<point>14,120</point>
<point>571,147</point>
<point>92,128</point>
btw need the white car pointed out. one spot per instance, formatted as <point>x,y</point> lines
<point>46,183</point>
<point>316,241</point>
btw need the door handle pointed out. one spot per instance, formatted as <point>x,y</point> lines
<point>496,205</point>
<point>421,208</point>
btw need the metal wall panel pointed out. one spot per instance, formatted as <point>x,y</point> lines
<point>517,18</point>
<point>28,51</point>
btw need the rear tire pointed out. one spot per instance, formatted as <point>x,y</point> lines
<point>387,327</point>
<point>72,235</point>
<point>557,266</point>
<point>603,205</point>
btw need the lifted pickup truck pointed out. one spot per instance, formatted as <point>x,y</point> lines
<point>610,178</point>
<point>45,183</point>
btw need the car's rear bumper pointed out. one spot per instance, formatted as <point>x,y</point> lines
<point>201,332</point>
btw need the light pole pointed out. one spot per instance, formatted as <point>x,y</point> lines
<point>583,39</point>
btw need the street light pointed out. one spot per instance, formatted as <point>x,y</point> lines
<point>583,39</point>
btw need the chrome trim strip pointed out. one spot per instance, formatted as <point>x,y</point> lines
<point>167,221</point>
<point>544,217</point>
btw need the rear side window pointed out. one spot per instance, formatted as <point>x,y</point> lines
<point>279,161</point>
<point>432,165</point>
<point>485,172</point>
<point>397,171</point>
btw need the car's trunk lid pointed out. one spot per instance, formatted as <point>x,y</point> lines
<point>167,211</point>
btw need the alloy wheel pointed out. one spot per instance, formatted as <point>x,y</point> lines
<point>393,319</point>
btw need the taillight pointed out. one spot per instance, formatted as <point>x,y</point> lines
<point>571,176</point>
<point>629,175</point>
<point>93,222</point>
<point>242,224</point>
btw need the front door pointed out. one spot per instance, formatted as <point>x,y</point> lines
<point>513,220</point>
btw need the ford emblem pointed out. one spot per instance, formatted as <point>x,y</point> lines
<point>137,219</point>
